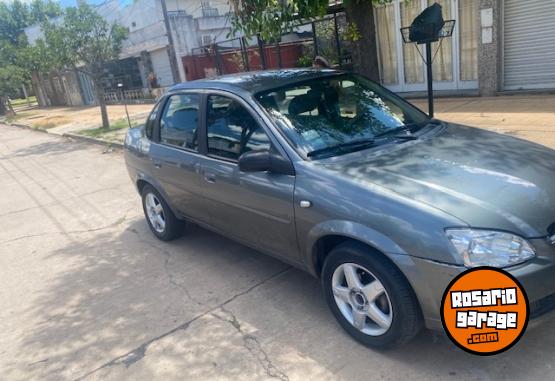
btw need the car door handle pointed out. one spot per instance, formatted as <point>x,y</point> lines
<point>209,177</point>
<point>157,164</point>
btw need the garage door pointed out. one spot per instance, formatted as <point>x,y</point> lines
<point>529,44</point>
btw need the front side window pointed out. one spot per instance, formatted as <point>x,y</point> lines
<point>231,129</point>
<point>335,111</point>
<point>179,122</point>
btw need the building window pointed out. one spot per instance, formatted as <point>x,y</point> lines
<point>412,62</point>
<point>206,40</point>
<point>468,27</point>
<point>455,58</point>
<point>207,10</point>
<point>387,47</point>
<point>443,62</point>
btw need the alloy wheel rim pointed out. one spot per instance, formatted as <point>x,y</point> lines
<point>362,299</point>
<point>155,213</point>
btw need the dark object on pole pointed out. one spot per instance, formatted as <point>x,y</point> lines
<point>427,25</point>
<point>426,28</point>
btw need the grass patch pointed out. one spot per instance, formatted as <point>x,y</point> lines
<point>50,122</point>
<point>23,101</point>
<point>100,132</point>
<point>15,118</point>
<point>37,121</point>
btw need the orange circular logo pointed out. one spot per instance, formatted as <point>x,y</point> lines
<point>485,311</point>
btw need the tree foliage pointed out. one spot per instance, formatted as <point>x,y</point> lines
<point>15,51</point>
<point>17,15</point>
<point>84,41</point>
<point>269,19</point>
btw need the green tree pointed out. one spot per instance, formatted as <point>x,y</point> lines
<point>11,77</point>
<point>271,18</point>
<point>85,41</point>
<point>15,52</point>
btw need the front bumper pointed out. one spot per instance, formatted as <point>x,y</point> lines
<point>429,280</point>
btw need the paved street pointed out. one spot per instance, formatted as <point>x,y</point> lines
<point>87,293</point>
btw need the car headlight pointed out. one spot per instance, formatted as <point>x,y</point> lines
<point>490,248</point>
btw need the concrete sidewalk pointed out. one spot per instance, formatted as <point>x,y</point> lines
<point>59,120</point>
<point>530,117</point>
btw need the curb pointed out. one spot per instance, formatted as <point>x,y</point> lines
<point>72,136</point>
<point>26,127</point>
<point>93,140</point>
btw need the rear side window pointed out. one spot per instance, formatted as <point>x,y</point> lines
<point>151,121</point>
<point>179,122</point>
<point>232,130</point>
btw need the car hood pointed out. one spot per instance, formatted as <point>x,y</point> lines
<point>485,179</point>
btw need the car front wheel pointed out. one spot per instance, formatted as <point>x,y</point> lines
<point>160,218</point>
<point>369,297</point>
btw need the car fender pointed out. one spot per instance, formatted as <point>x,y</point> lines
<point>142,176</point>
<point>349,229</point>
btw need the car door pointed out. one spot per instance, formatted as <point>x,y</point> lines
<point>175,154</point>
<point>255,207</point>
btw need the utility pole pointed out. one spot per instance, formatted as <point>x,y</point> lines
<point>171,47</point>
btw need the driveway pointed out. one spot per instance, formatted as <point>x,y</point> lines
<point>87,293</point>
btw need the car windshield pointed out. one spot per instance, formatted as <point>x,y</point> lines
<point>339,114</point>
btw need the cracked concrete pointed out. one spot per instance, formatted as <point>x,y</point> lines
<point>86,292</point>
<point>253,346</point>
<point>91,230</point>
<point>139,353</point>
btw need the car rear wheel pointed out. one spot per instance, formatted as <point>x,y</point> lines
<point>369,297</point>
<point>160,218</point>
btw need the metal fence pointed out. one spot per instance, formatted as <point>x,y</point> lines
<point>134,95</point>
<point>325,37</point>
<point>330,40</point>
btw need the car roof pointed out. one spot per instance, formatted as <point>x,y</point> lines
<point>257,81</point>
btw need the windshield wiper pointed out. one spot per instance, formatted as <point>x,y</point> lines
<point>409,128</point>
<point>406,137</point>
<point>354,145</point>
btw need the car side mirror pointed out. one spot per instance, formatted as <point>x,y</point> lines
<point>265,161</point>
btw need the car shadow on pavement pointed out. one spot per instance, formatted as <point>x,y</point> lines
<point>207,308</point>
<point>54,147</point>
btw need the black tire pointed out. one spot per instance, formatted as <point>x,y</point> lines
<point>406,319</point>
<point>173,226</point>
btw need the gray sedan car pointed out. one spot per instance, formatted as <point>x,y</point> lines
<point>338,176</point>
